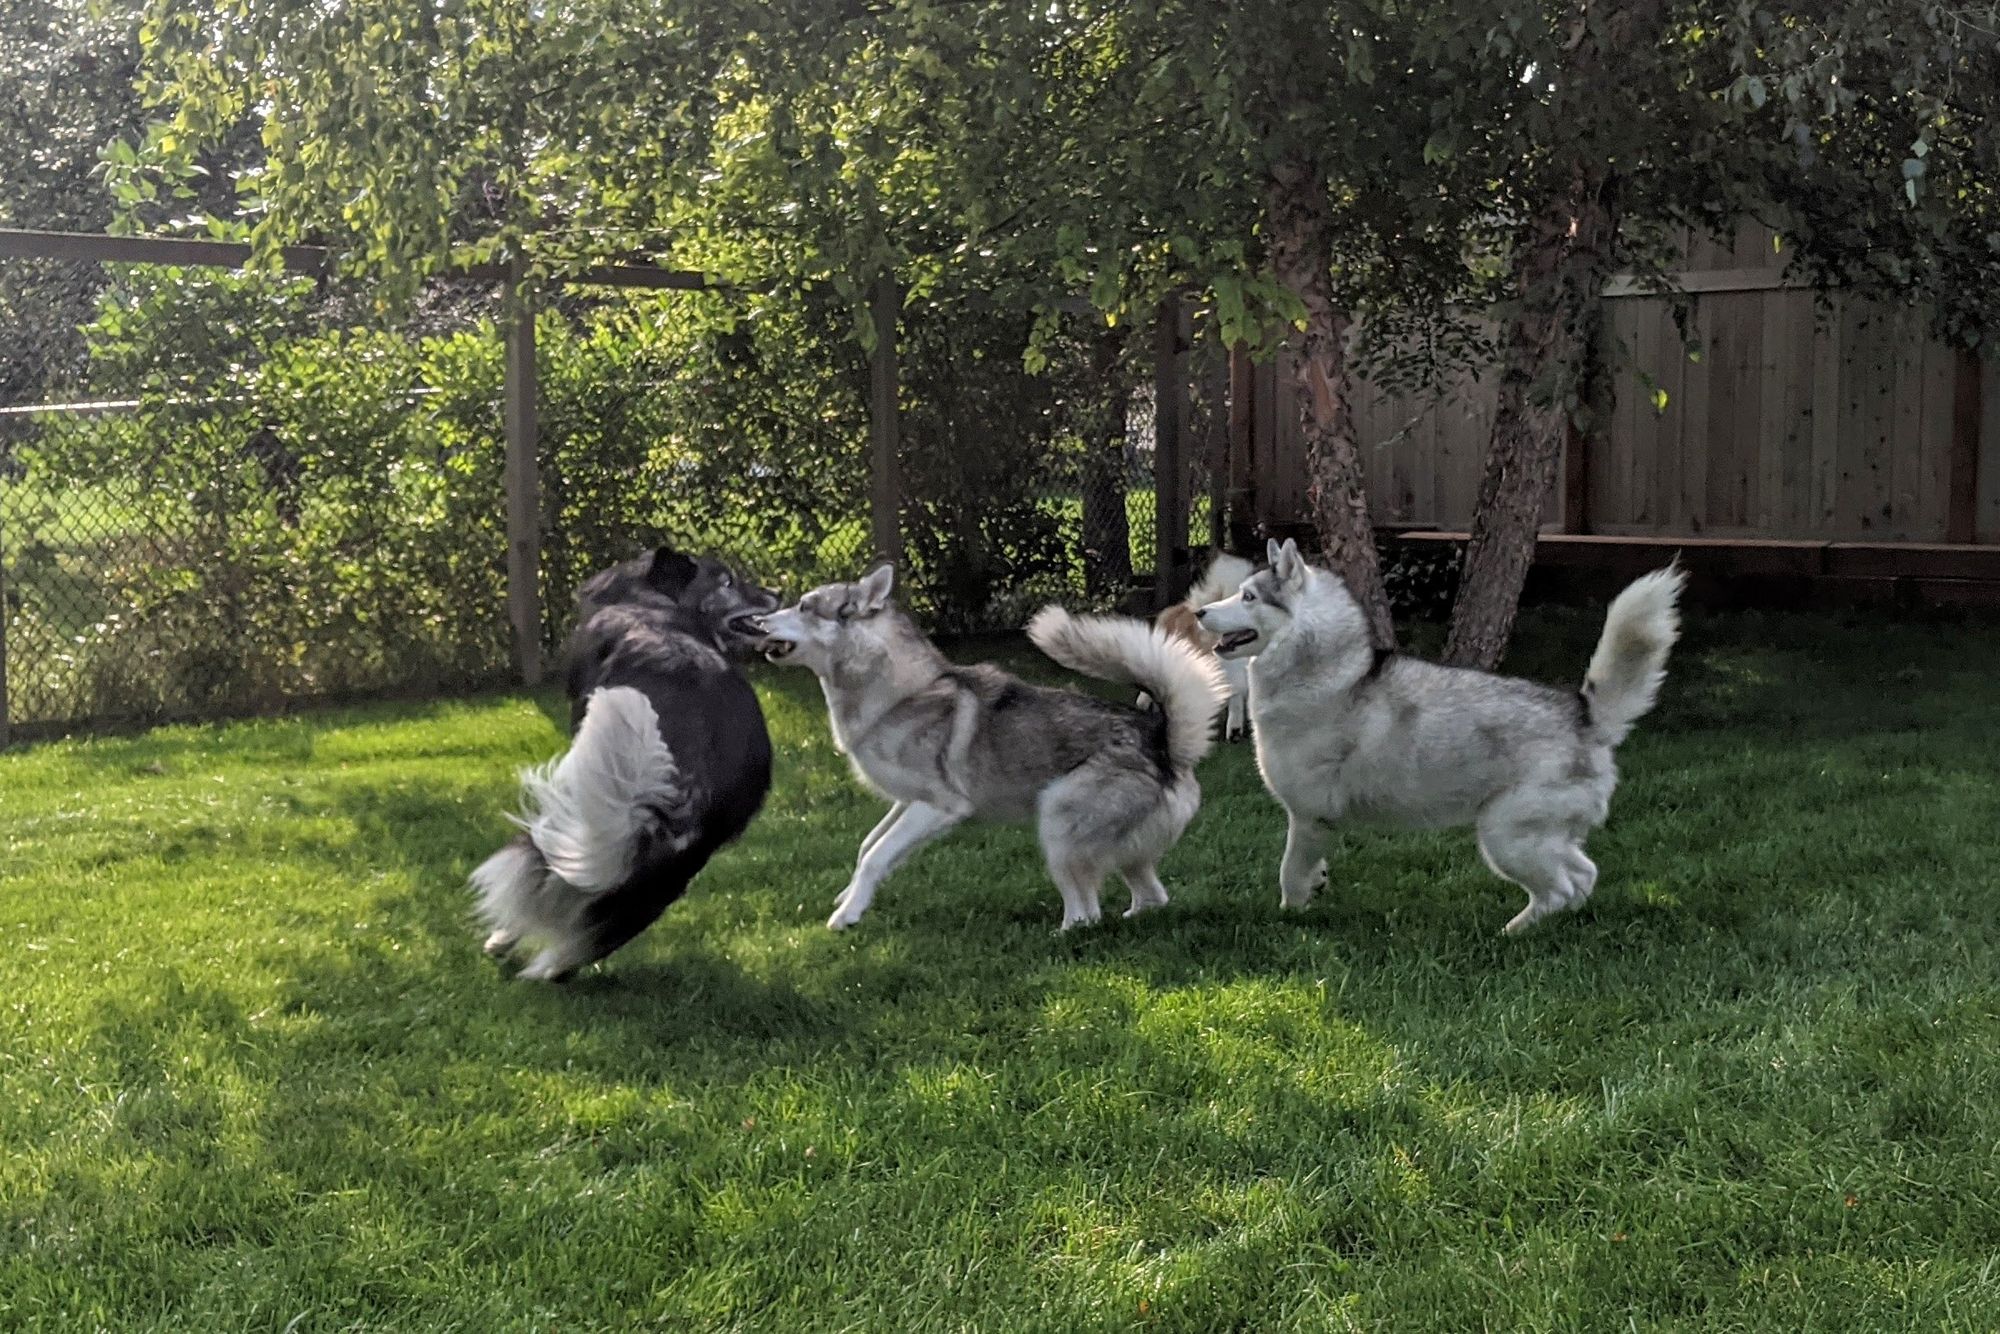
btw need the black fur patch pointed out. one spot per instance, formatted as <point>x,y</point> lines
<point>1155,723</point>
<point>711,722</point>
<point>1377,663</point>
<point>1010,695</point>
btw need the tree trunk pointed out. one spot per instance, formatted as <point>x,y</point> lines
<point>1107,529</point>
<point>1558,268</point>
<point>1300,217</point>
<point>1560,262</point>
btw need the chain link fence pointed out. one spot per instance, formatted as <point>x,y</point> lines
<point>225,492</point>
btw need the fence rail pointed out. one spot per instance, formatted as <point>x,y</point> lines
<point>182,587</point>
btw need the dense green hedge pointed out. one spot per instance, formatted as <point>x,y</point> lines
<point>307,502</point>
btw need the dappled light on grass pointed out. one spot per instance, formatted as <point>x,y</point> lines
<point>251,1060</point>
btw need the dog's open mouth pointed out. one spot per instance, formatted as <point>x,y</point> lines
<point>749,624</point>
<point>776,649</point>
<point>1234,640</point>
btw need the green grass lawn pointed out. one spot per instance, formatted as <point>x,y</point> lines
<point>255,1074</point>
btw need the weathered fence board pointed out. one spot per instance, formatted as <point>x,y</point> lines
<point>1790,417</point>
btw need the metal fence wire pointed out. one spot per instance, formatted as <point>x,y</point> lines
<point>225,492</point>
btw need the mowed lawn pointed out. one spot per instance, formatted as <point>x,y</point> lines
<point>255,1074</point>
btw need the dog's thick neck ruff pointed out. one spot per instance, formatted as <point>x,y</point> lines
<point>859,691</point>
<point>1324,638</point>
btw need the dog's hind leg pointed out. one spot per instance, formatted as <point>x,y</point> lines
<point>919,823</point>
<point>1147,891</point>
<point>882,826</point>
<point>1237,673</point>
<point>1078,881</point>
<point>1582,875</point>
<point>1538,860</point>
<point>559,962</point>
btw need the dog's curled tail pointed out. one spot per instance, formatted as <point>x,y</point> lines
<point>1224,575</point>
<point>1187,683</point>
<point>1631,658</point>
<point>583,815</point>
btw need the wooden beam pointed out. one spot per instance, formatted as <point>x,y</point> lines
<point>193,253</point>
<point>885,472</point>
<point>1695,281</point>
<point>1968,407</point>
<point>1170,480</point>
<point>523,482</point>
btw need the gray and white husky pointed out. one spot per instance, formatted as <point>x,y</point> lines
<point>1346,731</point>
<point>1109,786</point>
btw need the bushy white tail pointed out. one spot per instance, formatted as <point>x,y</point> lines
<point>1224,575</point>
<point>583,814</point>
<point>1187,683</point>
<point>1631,658</point>
<point>585,811</point>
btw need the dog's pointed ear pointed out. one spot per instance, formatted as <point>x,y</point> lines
<point>1271,550</point>
<point>669,572</point>
<point>1289,565</point>
<point>873,590</point>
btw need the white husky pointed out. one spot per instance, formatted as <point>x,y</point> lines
<point>1348,731</point>
<point>1224,575</point>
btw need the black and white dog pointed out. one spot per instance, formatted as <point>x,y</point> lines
<point>669,762</point>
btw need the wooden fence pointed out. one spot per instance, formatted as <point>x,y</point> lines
<point>1831,421</point>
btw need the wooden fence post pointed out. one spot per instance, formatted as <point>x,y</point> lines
<point>885,461</point>
<point>1216,447</point>
<point>1575,478</point>
<point>1170,479</point>
<point>1968,407</point>
<point>524,492</point>
<point>1242,535</point>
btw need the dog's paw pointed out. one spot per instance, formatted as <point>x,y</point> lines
<point>843,917</point>
<point>500,944</point>
<point>547,967</point>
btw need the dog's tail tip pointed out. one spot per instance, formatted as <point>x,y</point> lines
<point>507,885</point>
<point>1630,661</point>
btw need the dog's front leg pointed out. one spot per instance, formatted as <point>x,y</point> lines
<point>1304,867</point>
<point>918,824</point>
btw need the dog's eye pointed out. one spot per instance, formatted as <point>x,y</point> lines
<point>723,580</point>
<point>1249,596</point>
<point>846,611</point>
